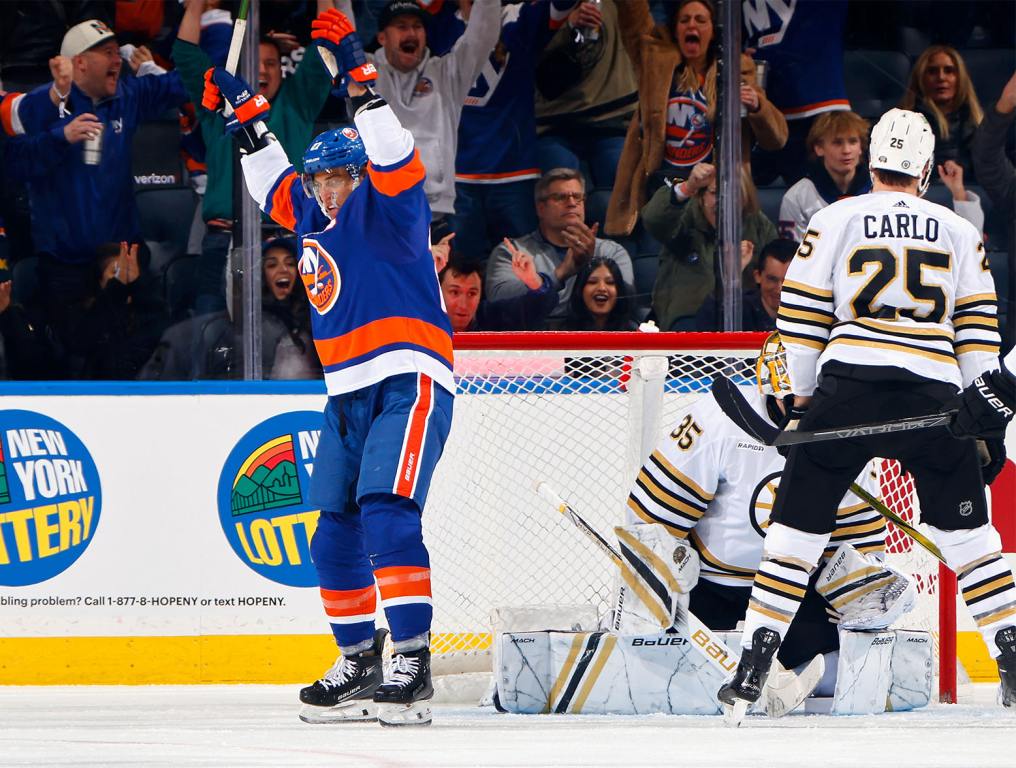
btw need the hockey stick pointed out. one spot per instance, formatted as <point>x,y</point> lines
<point>235,45</point>
<point>739,411</point>
<point>733,404</point>
<point>898,521</point>
<point>703,639</point>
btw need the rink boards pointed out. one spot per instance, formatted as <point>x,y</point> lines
<point>160,534</point>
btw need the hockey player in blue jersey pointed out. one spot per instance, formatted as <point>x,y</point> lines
<point>384,340</point>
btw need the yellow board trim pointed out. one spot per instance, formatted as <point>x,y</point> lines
<point>247,659</point>
<point>202,660</point>
<point>973,655</point>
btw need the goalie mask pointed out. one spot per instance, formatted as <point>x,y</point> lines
<point>902,141</point>
<point>338,148</point>
<point>771,367</point>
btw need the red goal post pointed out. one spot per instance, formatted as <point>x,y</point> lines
<point>581,411</point>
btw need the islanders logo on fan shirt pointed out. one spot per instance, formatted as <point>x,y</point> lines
<point>262,498</point>
<point>320,275</point>
<point>50,498</point>
<point>689,133</point>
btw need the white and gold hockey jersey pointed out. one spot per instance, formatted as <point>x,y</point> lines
<point>889,279</point>
<point>712,484</point>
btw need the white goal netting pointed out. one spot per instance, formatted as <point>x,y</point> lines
<point>582,418</point>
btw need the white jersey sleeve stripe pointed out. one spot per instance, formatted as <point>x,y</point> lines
<point>679,478</point>
<point>645,515</point>
<point>668,500</point>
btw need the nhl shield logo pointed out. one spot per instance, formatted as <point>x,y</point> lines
<point>966,508</point>
<point>320,276</point>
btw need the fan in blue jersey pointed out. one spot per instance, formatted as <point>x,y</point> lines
<point>384,341</point>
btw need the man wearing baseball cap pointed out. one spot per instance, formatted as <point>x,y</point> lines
<point>78,205</point>
<point>427,92</point>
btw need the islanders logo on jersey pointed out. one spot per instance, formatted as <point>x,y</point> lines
<point>320,276</point>
<point>262,498</point>
<point>50,498</point>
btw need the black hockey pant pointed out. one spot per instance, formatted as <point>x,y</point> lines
<point>946,471</point>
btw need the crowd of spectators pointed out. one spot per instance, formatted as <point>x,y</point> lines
<point>569,145</point>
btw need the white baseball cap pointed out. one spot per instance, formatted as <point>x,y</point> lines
<point>83,36</point>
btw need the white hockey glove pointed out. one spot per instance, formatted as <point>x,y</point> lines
<point>867,594</point>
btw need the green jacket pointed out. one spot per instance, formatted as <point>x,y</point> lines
<point>684,281</point>
<point>294,110</point>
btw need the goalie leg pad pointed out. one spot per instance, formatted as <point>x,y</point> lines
<point>605,673</point>
<point>864,673</point>
<point>866,593</point>
<point>984,577</point>
<point>912,670</point>
<point>658,572</point>
<point>880,671</point>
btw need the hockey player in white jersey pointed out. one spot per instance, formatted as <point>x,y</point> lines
<point>711,485</point>
<point>888,309</point>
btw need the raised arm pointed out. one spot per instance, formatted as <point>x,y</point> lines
<point>190,24</point>
<point>470,52</point>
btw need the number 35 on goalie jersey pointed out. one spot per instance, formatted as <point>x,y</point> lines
<point>709,482</point>
<point>889,279</point>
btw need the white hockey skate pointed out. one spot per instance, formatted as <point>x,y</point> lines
<point>346,692</point>
<point>404,698</point>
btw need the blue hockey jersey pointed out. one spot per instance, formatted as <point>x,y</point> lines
<point>803,42</point>
<point>377,309</point>
<point>497,130</point>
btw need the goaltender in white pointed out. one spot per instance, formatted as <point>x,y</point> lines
<point>697,518</point>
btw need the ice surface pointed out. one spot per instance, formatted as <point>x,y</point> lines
<point>257,726</point>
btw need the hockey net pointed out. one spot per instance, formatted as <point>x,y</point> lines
<point>581,411</point>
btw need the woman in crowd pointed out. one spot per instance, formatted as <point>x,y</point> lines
<point>688,263</point>
<point>601,300</point>
<point>941,89</point>
<point>115,329</point>
<point>287,347</point>
<point>673,129</point>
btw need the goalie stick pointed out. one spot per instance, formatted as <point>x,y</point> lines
<point>734,405</point>
<point>785,689</point>
<point>739,411</point>
<point>710,646</point>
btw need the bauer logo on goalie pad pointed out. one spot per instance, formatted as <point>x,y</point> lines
<point>50,498</point>
<point>263,508</point>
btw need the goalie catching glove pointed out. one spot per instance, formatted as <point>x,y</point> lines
<point>864,592</point>
<point>335,33</point>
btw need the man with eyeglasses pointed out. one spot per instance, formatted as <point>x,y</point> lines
<point>560,246</point>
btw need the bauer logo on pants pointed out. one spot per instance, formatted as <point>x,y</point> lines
<point>262,498</point>
<point>50,498</point>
